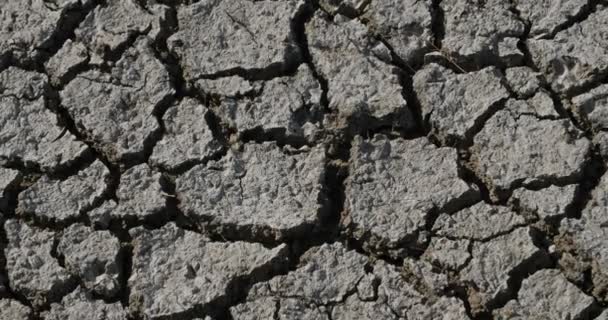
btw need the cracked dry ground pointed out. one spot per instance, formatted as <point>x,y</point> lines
<point>318,159</point>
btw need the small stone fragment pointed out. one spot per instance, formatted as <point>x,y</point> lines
<point>13,310</point>
<point>255,36</point>
<point>404,25</point>
<point>113,25</point>
<point>32,270</point>
<point>176,271</point>
<point>518,149</point>
<point>71,56</point>
<point>30,132</point>
<point>545,203</point>
<point>547,16</point>
<point>574,57</point>
<point>592,107</point>
<point>546,294</point>
<point>362,89</point>
<point>62,200</point>
<point>479,222</point>
<point>495,261</point>
<point>140,194</point>
<point>455,103</point>
<point>79,305</point>
<point>290,105</point>
<point>186,138</point>
<point>479,31</point>
<point>101,216</point>
<point>261,191</point>
<point>116,109</point>
<point>394,184</point>
<point>449,254</point>
<point>94,256</point>
<point>523,81</point>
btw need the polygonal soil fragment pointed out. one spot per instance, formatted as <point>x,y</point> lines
<point>481,32</point>
<point>447,253</point>
<point>187,137</point>
<point>29,132</point>
<point>66,60</point>
<point>12,309</point>
<point>574,57</point>
<point>28,28</point>
<point>116,23</point>
<point>479,222</point>
<point>547,16</point>
<point>116,109</point>
<point>496,261</point>
<point>394,185</point>
<point>592,107</point>
<point>514,149</point>
<point>80,305</point>
<point>546,203</point>
<point>8,179</point>
<point>363,90</point>
<point>32,270</point>
<point>588,234</point>
<point>540,106</point>
<point>454,104</point>
<point>140,194</point>
<point>332,276</point>
<point>287,106</point>
<point>61,200</point>
<point>546,294</point>
<point>349,8</point>
<point>523,81</point>
<point>176,271</point>
<point>404,25</point>
<point>255,36</point>
<point>262,191</point>
<point>94,256</point>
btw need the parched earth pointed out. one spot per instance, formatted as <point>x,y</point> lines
<point>313,159</point>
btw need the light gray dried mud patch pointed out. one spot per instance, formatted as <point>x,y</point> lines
<point>63,200</point>
<point>27,28</point>
<point>495,262</point>
<point>395,185</point>
<point>514,149</point>
<point>287,107</point>
<point>8,178</point>
<point>332,283</point>
<point>587,236</point>
<point>546,203</point>
<point>81,305</point>
<point>481,32</point>
<point>32,271</point>
<point>176,272</point>
<point>187,137</point>
<point>255,37</point>
<point>404,25</point>
<point>69,57</point>
<point>12,309</point>
<point>363,90</point>
<point>574,57</point>
<point>94,256</point>
<point>546,16</point>
<point>547,294</point>
<point>262,191</point>
<point>115,23</point>
<point>592,108</point>
<point>29,133</point>
<point>524,81</point>
<point>454,104</point>
<point>116,110</point>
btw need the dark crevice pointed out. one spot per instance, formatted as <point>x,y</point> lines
<point>437,23</point>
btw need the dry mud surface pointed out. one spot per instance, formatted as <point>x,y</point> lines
<point>314,159</point>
